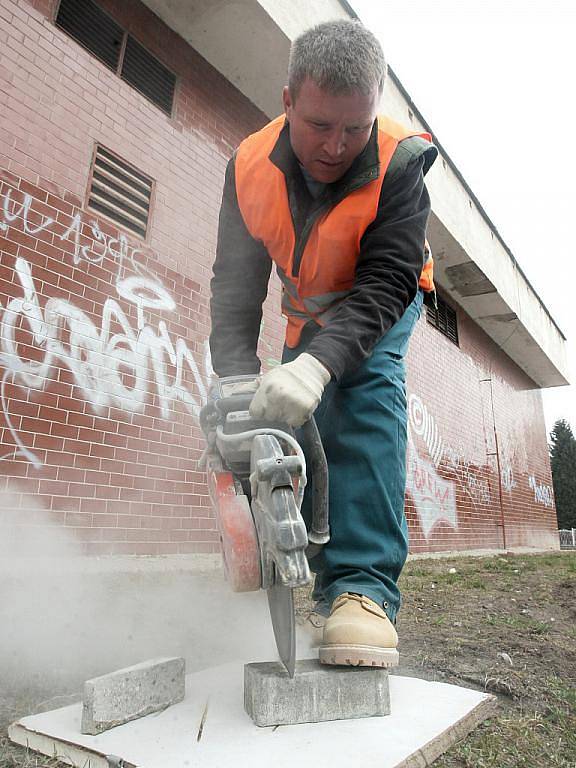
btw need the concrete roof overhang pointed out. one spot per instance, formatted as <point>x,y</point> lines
<point>248,41</point>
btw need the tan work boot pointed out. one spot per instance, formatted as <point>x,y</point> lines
<point>358,633</point>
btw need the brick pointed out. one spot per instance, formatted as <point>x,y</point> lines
<point>63,430</point>
<point>66,503</point>
<point>101,451</point>
<point>70,474</point>
<point>8,246</point>
<point>35,192</point>
<point>87,462</point>
<point>53,444</point>
<point>106,519</point>
<point>316,693</point>
<point>130,693</point>
<point>77,446</point>
<point>53,487</point>
<point>77,519</point>
<point>107,492</point>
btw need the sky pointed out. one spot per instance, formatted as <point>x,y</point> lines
<point>496,83</point>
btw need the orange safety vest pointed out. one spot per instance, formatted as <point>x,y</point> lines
<point>328,263</point>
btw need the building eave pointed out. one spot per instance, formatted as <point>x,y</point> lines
<point>248,41</point>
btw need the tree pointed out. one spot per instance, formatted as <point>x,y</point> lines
<point>563,462</point>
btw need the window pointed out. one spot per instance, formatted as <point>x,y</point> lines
<point>89,25</point>
<point>147,75</point>
<point>444,318</point>
<point>120,192</point>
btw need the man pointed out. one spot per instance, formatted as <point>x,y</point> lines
<point>336,199</point>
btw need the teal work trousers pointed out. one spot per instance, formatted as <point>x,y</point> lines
<point>362,421</point>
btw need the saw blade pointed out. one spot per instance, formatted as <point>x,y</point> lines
<point>281,604</point>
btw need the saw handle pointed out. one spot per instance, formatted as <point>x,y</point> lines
<point>233,403</point>
<point>319,533</point>
<point>214,412</point>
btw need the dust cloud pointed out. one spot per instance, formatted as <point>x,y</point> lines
<point>65,618</point>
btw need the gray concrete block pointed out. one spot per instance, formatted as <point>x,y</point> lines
<point>131,692</point>
<point>316,693</point>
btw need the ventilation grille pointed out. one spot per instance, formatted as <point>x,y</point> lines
<point>147,75</point>
<point>443,317</point>
<point>91,27</point>
<point>120,192</point>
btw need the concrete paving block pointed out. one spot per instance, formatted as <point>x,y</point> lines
<point>131,692</point>
<point>426,719</point>
<point>316,693</point>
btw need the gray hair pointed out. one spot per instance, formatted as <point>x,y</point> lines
<point>338,56</point>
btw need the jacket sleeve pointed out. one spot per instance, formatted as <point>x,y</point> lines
<point>239,285</point>
<point>387,272</point>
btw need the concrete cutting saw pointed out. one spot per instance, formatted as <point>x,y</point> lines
<point>256,477</point>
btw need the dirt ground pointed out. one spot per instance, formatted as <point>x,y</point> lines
<point>505,624</point>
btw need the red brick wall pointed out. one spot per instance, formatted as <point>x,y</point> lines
<point>478,466</point>
<point>109,449</point>
<point>103,337</point>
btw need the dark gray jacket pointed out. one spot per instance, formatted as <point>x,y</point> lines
<point>387,271</point>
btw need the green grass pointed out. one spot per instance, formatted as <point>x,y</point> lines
<point>522,604</point>
<point>520,623</point>
<point>525,739</point>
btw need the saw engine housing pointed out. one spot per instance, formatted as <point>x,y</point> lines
<point>256,476</point>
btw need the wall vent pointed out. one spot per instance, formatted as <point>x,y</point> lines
<point>147,75</point>
<point>444,318</point>
<point>120,192</point>
<point>90,26</point>
<point>87,23</point>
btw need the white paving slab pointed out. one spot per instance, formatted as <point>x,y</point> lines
<point>210,729</point>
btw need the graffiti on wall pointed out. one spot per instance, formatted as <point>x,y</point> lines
<point>543,494</point>
<point>467,474</point>
<point>434,497</point>
<point>423,424</point>
<point>112,363</point>
<point>507,475</point>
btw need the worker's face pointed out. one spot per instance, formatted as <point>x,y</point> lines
<point>329,131</point>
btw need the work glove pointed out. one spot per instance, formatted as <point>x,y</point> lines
<point>244,387</point>
<point>291,392</point>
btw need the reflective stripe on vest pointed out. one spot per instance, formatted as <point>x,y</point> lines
<point>328,263</point>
